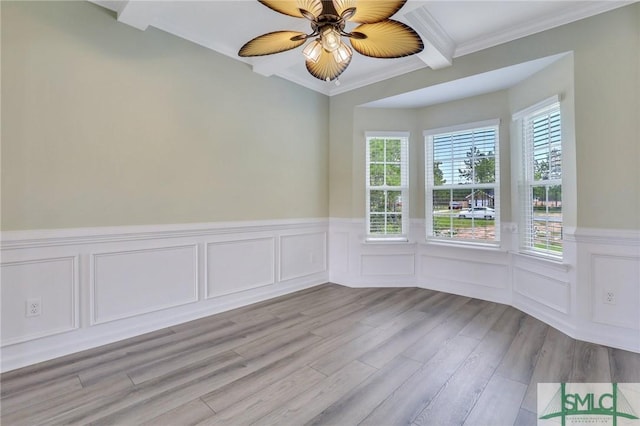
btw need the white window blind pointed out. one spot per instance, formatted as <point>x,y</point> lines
<point>542,184</point>
<point>462,181</point>
<point>387,184</point>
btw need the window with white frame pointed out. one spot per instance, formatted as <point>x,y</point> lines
<point>462,183</point>
<point>541,191</point>
<point>387,183</point>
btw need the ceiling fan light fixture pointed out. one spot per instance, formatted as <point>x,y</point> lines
<point>312,51</point>
<point>342,54</point>
<point>330,38</point>
<point>327,56</point>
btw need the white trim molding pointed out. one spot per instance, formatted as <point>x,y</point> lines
<point>101,285</point>
<point>620,237</point>
<point>570,14</point>
<point>73,236</point>
<point>566,295</point>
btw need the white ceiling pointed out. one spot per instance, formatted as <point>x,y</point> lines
<point>449,29</point>
<point>479,84</point>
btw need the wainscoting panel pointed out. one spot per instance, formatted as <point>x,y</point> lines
<point>101,285</point>
<point>542,289</point>
<point>619,276</point>
<point>608,261</point>
<point>388,265</point>
<point>129,283</point>
<point>339,252</point>
<point>465,271</point>
<point>51,281</point>
<point>302,255</point>
<point>234,266</point>
<point>566,294</point>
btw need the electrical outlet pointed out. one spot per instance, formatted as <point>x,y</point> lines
<point>34,307</point>
<point>609,297</point>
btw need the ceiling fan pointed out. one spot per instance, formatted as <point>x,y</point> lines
<point>327,55</point>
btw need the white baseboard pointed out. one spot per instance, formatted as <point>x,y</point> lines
<point>39,350</point>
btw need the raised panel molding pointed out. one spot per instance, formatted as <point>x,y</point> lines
<point>564,295</point>
<point>542,289</point>
<point>123,281</point>
<point>488,274</point>
<point>339,252</point>
<point>134,282</point>
<point>387,264</point>
<point>621,275</point>
<point>561,293</point>
<point>239,265</point>
<point>55,282</point>
<point>302,255</point>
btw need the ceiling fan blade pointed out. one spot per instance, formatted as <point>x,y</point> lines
<point>292,7</point>
<point>387,39</point>
<point>342,5</point>
<point>369,11</point>
<point>275,42</point>
<point>326,68</point>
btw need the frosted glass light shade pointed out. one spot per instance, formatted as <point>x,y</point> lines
<point>342,54</point>
<point>312,51</point>
<point>330,39</point>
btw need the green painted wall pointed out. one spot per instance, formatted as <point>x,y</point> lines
<point>105,125</point>
<point>556,79</point>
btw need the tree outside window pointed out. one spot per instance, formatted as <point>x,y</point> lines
<point>462,183</point>
<point>387,185</point>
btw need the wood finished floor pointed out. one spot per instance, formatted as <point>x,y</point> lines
<point>326,355</point>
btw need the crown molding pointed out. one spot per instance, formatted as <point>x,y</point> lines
<point>572,13</point>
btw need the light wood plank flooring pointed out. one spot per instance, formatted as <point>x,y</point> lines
<point>328,355</point>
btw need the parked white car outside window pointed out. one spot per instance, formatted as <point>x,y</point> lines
<point>478,213</point>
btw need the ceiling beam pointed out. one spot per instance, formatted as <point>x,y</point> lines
<point>138,14</point>
<point>439,46</point>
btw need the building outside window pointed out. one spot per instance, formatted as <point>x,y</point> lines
<point>462,183</point>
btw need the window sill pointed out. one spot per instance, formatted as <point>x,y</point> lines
<point>495,247</point>
<point>392,240</point>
